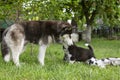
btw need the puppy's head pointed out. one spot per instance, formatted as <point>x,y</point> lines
<point>100,63</point>
<point>92,61</point>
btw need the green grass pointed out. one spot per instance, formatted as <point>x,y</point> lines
<point>56,69</point>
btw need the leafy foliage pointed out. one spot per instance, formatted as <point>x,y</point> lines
<point>84,11</point>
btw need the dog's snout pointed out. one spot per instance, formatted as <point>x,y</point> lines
<point>67,39</point>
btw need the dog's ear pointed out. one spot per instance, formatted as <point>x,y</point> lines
<point>57,26</point>
<point>62,27</point>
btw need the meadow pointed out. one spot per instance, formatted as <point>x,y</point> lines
<point>56,69</point>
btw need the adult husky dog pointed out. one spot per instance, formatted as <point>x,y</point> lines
<point>38,32</point>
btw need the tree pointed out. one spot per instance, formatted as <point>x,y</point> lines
<point>10,9</point>
<point>90,10</point>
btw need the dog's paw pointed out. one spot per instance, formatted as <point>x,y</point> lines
<point>71,62</point>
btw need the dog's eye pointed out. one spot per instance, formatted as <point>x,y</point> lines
<point>68,29</point>
<point>91,62</point>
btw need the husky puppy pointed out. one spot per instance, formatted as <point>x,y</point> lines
<point>104,62</point>
<point>74,53</point>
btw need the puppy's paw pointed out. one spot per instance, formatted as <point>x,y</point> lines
<point>71,62</point>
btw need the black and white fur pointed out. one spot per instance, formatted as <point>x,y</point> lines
<point>74,53</point>
<point>102,63</point>
<point>38,32</point>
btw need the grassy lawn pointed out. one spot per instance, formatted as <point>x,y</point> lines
<point>56,69</point>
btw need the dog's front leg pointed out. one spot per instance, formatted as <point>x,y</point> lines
<point>41,56</point>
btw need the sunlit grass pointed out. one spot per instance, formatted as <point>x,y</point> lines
<point>56,69</point>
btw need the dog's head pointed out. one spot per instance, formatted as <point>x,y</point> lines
<point>101,63</point>
<point>66,34</point>
<point>92,61</point>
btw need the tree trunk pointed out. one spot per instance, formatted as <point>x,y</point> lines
<point>17,16</point>
<point>87,34</point>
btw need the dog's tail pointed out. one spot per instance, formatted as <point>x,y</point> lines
<point>4,47</point>
<point>89,47</point>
